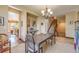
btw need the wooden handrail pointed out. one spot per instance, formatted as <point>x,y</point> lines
<point>50,26</point>
<point>53,22</point>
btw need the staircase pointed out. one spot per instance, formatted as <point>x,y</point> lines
<point>53,23</point>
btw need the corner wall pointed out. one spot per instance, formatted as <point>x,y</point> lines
<point>70,26</point>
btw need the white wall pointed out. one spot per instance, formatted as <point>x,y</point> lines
<point>4,13</point>
<point>24,27</point>
<point>42,28</point>
<point>70,28</point>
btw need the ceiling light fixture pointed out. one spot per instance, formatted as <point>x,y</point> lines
<point>47,13</point>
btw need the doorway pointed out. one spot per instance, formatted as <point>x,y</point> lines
<point>31,21</point>
<point>61,26</point>
<point>14,26</point>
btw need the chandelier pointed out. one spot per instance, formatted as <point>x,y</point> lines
<point>47,13</point>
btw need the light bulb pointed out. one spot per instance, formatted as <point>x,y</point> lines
<point>49,10</point>
<point>42,11</point>
<point>43,14</point>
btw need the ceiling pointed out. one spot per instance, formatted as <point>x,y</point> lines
<point>57,9</point>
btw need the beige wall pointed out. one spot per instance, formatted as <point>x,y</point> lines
<point>61,25</point>
<point>67,24</point>
<point>4,13</point>
<point>70,28</point>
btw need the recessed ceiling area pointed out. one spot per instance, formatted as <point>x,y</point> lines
<point>57,9</point>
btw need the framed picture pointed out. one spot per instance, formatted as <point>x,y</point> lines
<point>1,21</point>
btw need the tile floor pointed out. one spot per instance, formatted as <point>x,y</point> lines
<point>63,45</point>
